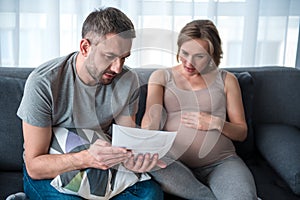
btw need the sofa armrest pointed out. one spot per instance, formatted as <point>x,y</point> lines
<point>279,145</point>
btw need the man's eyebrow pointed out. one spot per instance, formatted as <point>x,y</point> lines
<point>125,55</point>
<point>111,54</point>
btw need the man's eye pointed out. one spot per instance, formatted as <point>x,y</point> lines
<point>110,57</point>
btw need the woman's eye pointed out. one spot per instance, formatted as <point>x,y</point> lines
<point>200,56</point>
<point>184,53</point>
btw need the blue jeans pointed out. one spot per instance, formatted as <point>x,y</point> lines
<point>41,189</point>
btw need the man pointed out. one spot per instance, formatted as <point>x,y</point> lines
<point>86,89</point>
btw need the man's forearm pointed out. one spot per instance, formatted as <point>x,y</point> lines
<point>50,165</point>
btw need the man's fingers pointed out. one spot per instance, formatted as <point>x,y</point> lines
<point>138,163</point>
<point>102,143</point>
<point>110,150</point>
<point>144,163</point>
<point>152,162</point>
<point>106,156</point>
<point>129,163</point>
<point>161,164</point>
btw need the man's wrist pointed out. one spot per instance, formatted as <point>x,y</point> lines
<point>78,160</point>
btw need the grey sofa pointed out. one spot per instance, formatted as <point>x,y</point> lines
<point>271,97</point>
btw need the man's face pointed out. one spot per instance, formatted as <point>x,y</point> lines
<point>106,59</point>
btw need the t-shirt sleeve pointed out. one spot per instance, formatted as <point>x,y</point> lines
<point>131,106</point>
<point>35,107</point>
<point>134,102</point>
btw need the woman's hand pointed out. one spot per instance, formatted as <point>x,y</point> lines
<point>202,121</point>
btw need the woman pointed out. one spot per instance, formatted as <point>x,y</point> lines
<point>204,105</point>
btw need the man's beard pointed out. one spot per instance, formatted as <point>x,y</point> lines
<point>98,77</point>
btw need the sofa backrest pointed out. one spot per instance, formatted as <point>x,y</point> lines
<point>270,95</point>
<point>12,82</point>
<point>276,95</point>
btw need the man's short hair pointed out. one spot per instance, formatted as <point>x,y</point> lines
<point>107,20</point>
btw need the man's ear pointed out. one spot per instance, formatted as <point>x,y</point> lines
<point>85,47</point>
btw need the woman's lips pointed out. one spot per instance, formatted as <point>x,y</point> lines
<point>189,69</point>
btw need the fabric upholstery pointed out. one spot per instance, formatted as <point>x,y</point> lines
<point>11,91</point>
<point>278,92</point>
<point>279,144</point>
<point>11,182</point>
<point>246,148</point>
<point>266,109</point>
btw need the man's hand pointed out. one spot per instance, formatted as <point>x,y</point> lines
<point>104,156</point>
<point>143,163</point>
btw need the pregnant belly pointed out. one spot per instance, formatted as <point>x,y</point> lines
<point>197,148</point>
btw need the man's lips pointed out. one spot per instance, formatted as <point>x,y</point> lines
<point>109,75</point>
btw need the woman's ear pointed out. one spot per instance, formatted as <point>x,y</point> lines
<point>85,47</point>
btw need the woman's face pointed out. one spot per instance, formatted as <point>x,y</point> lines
<point>194,55</point>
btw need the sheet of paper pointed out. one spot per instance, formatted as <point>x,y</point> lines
<point>142,140</point>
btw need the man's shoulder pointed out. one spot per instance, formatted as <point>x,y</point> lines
<point>126,69</point>
<point>126,80</point>
<point>54,68</point>
<point>129,73</point>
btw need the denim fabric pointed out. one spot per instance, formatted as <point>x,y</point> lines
<point>146,190</point>
<point>41,189</point>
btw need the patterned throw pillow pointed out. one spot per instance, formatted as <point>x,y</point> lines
<point>89,183</point>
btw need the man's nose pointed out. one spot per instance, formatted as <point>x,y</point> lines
<point>117,65</point>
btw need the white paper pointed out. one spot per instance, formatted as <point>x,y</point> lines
<point>142,140</point>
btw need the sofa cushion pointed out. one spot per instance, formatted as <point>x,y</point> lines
<point>10,183</point>
<point>15,72</point>
<point>279,145</point>
<point>142,104</point>
<point>246,148</point>
<point>276,95</point>
<point>89,183</point>
<point>11,148</point>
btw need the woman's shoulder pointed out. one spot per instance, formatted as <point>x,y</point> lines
<point>160,76</point>
<point>230,80</point>
<point>226,75</point>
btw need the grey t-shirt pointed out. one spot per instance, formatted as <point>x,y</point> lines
<point>55,96</point>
